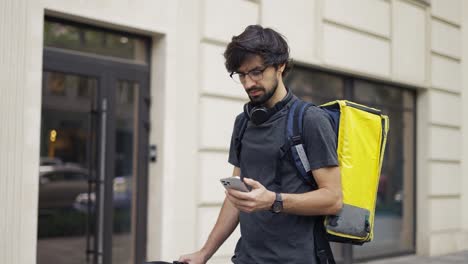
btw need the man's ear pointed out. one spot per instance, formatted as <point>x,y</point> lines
<point>279,71</point>
<point>281,67</point>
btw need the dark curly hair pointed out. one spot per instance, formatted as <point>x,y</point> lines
<point>270,45</point>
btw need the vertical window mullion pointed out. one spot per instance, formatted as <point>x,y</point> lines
<point>348,88</point>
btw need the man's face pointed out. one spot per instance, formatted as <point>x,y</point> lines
<point>261,82</point>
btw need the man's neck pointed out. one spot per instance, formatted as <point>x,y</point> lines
<point>279,94</point>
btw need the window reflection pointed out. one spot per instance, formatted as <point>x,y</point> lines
<point>65,222</point>
<point>394,206</point>
<point>86,39</point>
<point>69,87</point>
<point>125,170</point>
<point>315,87</point>
<point>377,94</point>
<point>394,229</point>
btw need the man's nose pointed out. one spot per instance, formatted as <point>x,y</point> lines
<point>248,82</point>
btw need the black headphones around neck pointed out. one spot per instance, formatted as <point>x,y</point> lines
<point>259,114</point>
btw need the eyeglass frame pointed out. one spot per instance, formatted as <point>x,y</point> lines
<point>245,74</point>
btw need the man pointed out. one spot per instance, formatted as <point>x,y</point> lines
<point>258,58</point>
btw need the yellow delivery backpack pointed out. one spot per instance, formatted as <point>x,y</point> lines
<point>361,138</point>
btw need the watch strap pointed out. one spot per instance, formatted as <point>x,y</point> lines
<point>277,205</point>
<point>279,198</point>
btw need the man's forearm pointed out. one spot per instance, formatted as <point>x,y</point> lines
<point>326,200</point>
<point>323,201</point>
<point>228,220</point>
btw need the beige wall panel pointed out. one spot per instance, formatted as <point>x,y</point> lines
<point>147,15</point>
<point>445,179</point>
<point>462,239</point>
<point>299,28</point>
<point>445,144</point>
<point>464,124</point>
<point>445,214</point>
<point>446,73</point>
<point>176,127</point>
<point>223,19</point>
<point>368,15</point>
<point>355,51</point>
<point>207,217</point>
<point>449,10</point>
<point>422,171</point>
<point>445,108</point>
<point>409,42</point>
<point>215,79</point>
<point>446,39</point>
<point>21,30</point>
<point>213,166</point>
<point>443,243</point>
<point>217,121</point>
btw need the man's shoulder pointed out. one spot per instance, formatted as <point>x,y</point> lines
<point>239,122</point>
<point>240,118</point>
<point>315,114</point>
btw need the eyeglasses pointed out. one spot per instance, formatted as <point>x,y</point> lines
<point>255,75</point>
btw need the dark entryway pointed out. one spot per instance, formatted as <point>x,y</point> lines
<point>94,138</point>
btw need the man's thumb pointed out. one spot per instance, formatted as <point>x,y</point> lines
<point>252,183</point>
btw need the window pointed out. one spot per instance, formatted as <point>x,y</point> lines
<point>70,36</point>
<point>394,221</point>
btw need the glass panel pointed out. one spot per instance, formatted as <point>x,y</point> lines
<point>394,229</point>
<point>393,232</point>
<point>314,86</point>
<point>67,159</point>
<point>55,84</point>
<point>95,41</point>
<point>377,94</point>
<point>66,91</point>
<point>125,171</point>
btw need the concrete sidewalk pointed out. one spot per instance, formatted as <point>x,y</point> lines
<point>456,258</point>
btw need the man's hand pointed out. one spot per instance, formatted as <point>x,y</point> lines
<point>195,258</point>
<point>259,198</point>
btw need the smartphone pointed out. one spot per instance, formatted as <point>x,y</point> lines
<point>234,183</point>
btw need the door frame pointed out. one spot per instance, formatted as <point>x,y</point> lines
<point>108,71</point>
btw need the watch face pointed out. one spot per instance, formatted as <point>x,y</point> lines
<point>277,207</point>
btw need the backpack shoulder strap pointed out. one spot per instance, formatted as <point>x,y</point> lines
<point>240,134</point>
<point>294,131</point>
<point>323,251</point>
<point>295,141</point>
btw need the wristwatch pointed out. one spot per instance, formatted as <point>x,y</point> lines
<point>277,205</point>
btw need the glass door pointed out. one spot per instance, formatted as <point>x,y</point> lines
<point>68,168</point>
<point>93,173</point>
<point>125,170</point>
<point>127,175</point>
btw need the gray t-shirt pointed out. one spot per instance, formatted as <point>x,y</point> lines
<point>267,237</point>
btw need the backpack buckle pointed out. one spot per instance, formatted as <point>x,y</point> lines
<point>296,140</point>
<point>333,220</point>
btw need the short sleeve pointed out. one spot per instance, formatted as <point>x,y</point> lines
<point>319,139</point>
<point>233,158</point>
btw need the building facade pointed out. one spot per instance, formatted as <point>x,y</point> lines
<point>117,118</point>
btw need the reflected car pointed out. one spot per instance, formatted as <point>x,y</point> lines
<point>59,185</point>
<point>46,161</point>
<point>122,196</point>
<point>65,186</point>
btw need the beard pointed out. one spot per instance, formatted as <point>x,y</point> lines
<point>260,100</point>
